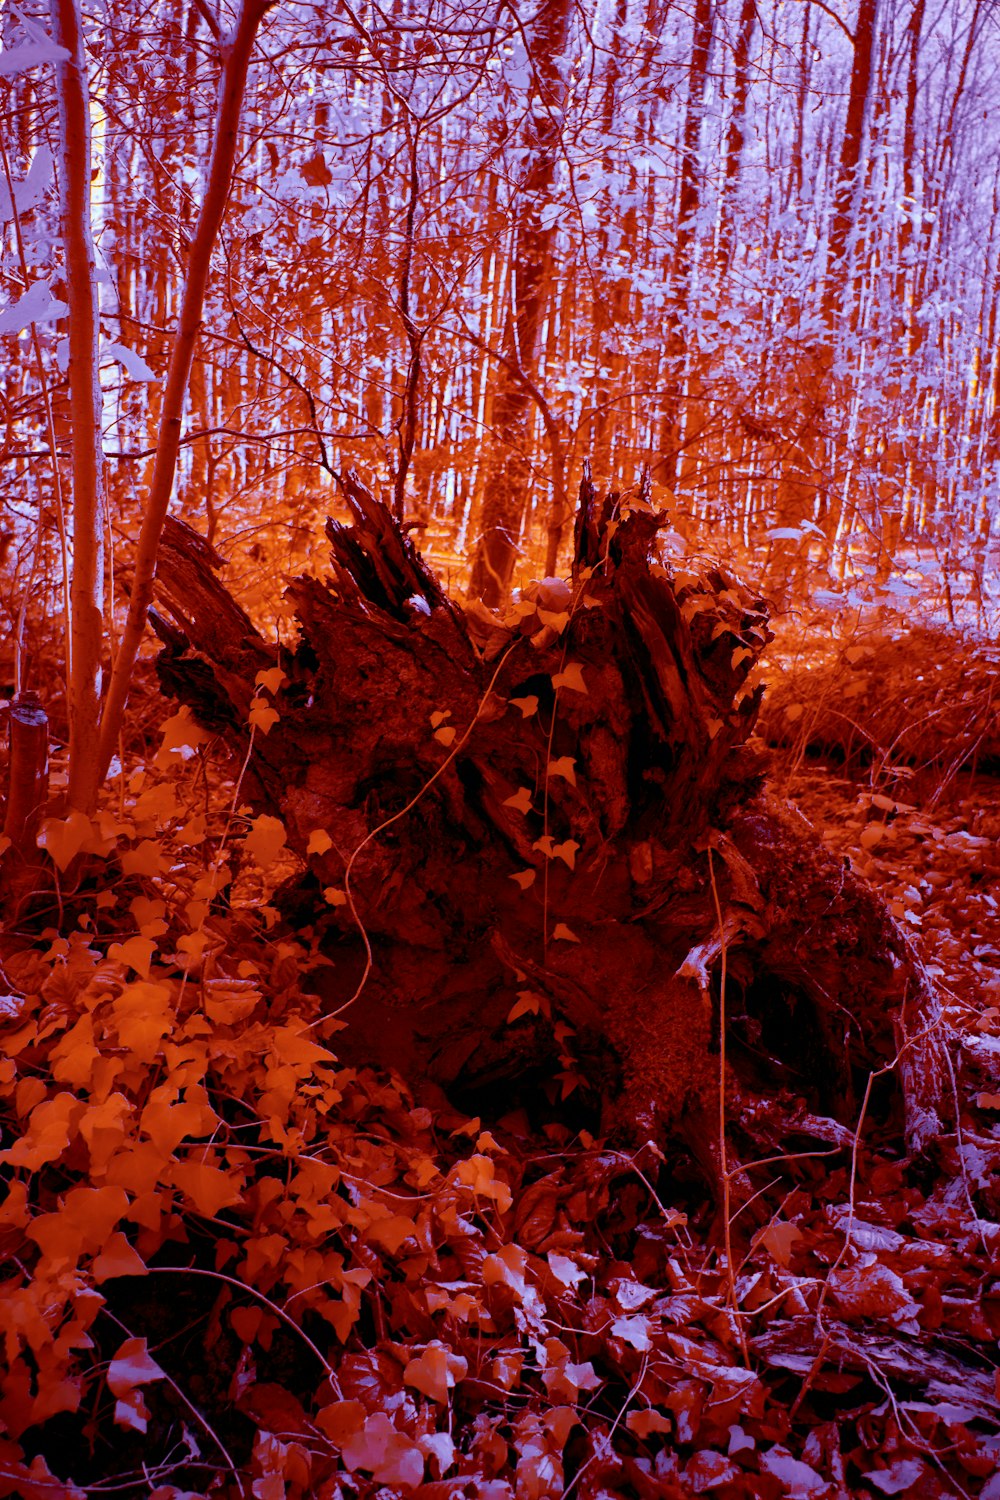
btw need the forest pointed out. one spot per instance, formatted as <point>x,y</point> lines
<point>499,749</point>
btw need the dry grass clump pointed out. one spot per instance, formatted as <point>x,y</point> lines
<point>922,701</point>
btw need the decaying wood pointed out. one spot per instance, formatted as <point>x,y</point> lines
<point>592,845</point>
<point>932,1375</point>
<point>27,791</point>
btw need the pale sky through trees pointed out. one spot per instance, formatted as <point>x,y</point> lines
<point>641,224</point>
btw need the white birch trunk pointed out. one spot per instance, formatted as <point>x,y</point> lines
<point>83,664</point>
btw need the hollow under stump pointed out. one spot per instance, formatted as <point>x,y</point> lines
<point>550,838</point>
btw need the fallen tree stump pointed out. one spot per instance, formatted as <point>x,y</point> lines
<point>551,837</point>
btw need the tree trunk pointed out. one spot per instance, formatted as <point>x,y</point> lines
<point>689,200</point>
<point>736,131</point>
<point>848,190</point>
<point>546,845</point>
<point>237,51</point>
<point>509,473</point>
<point>83,655</point>
<point>27,776</point>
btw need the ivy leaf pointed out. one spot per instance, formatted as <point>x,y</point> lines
<point>904,1474</point>
<point>209,1188</point>
<point>149,914</point>
<point>271,678</point>
<point>506,1369</point>
<point>389,1456</point>
<point>147,858</point>
<point>634,1331</point>
<point>132,1366</point>
<point>143,1015</point>
<point>779,1241</point>
<point>571,678</point>
<point>65,837</point>
<point>479,1174</point>
<point>137,953</point>
<point>168,1121</point>
<point>521,801</point>
<point>132,1412</point>
<point>566,852</point>
<point>341,1421</point>
<point>391,1232</point>
<point>117,1259</point>
<point>439,1447</point>
<point>319,842</point>
<point>508,1267</point>
<point>436,1372</point>
<point>565,1270</point>
<point>51,1125</point>
<point>528,706</point>
<point>564,767</point>
<point>527,1004</point>
<point>226,1001</point>
<point>266,839</point>
<point>524,878</point>
<point>181,736</point>
<point>194,831</point>
<point>262,716</point>
<point>642,1423</point>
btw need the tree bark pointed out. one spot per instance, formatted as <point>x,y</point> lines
<point>508,478</point>
<point>847,192</point>
<point>27,776</point>
<point>688,203</point>
<point>83,665</point>
<point>237,50</point>
<point>736,131</point>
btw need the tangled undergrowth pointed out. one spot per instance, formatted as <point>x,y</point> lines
<point>234,1267</point>
<point>913,704</point>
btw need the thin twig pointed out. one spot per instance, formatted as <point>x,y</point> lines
<point>727,1220</point>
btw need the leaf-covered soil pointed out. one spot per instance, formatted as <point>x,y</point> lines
<point>235,1267</point>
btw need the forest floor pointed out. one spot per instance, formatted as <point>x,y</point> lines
<point>331,1290</point>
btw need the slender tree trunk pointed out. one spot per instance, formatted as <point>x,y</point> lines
<point>736,133</point>
<point>688,203</point>
<point>509,472</point>
<point>907,329</point>
<point>27,780</point>
<point>802,94</point>
<point>847,192</point>
<point>236,50</point>
<point>904,285</point>
<point>83,667</point>
<point>406,435</point>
